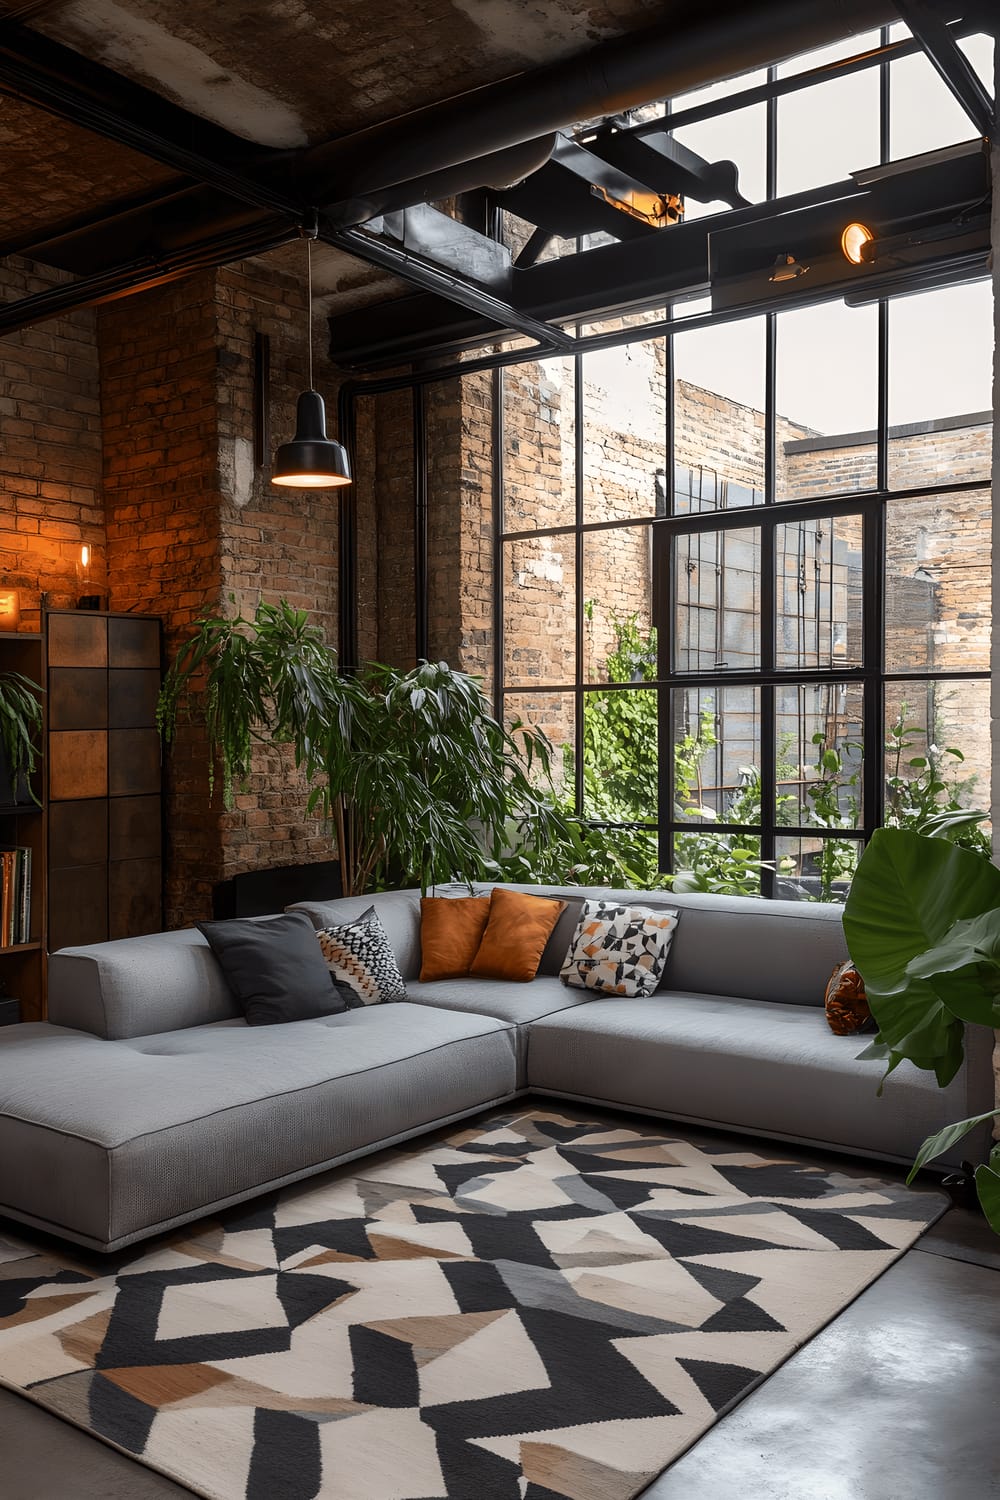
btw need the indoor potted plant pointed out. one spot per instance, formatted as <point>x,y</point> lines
<point>20,729</point>
<point>420,782</point>
<point>922,923</point>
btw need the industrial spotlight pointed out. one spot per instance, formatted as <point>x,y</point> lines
<point>786,268</point>
<point>858,244</point>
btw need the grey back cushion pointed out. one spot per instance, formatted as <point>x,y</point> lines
<point>398,911</point>
<point>139,986</point>
<point>727,945</point>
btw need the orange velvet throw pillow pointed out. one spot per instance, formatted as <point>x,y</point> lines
<point>451,929</point>
<point>515,935</point>
<point>846,1004</point>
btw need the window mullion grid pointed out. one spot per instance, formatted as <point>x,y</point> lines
<point>578,555</point>
<point>768,720</point>
<point>662,611</point>
<point>499,544</point>
<point>873,658</point>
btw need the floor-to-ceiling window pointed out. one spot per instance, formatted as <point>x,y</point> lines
<point>744,567</point>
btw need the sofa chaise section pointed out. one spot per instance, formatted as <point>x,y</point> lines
<point>105,1141</point>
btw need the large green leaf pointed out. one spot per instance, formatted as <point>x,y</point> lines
<point>937,1145</point>
<point>988,1188</point>
<point>908,893</point>
<point>964,968</point>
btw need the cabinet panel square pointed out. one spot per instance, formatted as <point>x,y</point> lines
<point>78,640</point>
<point>78,764</point>
<point>78,698</point>
<point>133,762</point>
<point>136,830</point>
<point>78,906</point>
<point>78,833</point>
<point>134,643</point>
<point>132,695</point>
<point>134,897</point>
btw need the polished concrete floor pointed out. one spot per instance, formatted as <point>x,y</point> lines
<point>896,1399</point>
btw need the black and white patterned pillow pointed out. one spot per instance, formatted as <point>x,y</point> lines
<point>619,950</point>
<point>361,962</point>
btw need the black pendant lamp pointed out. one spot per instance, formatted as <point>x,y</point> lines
<point>311,461</point>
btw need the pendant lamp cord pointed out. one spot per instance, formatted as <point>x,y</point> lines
<point>309,304</point>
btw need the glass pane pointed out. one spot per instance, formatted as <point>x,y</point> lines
<point>827,132</point>
<point>827,407</point>
<point>851,46</point>
<point>937,752</point>
<point>818,736</point>
<point>717,601</point>
<point>539,611</point>
<point>539,445</point>
<point>923,113</point>
<point>719,438</point>
<point>739,137</point>
<point>620,756</point>
<point>940,383</point>
<point>619,644</point>
<point>815,869</point>
<point>726,864</point>
<point>716,754</point>
<point>721,90</point>
<point>818,593</point>
<point>624,433</point>
<point>555,715</point>
<point>938,583</point>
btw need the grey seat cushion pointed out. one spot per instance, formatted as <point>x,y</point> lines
<point>776,1069</point>
<point>213,1114</point>
<point>519,1004</point>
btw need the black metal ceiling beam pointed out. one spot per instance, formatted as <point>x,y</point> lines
<point>430,277</point>
<point>51,77</point>
<point>124,281</point>
<point>950,63</point>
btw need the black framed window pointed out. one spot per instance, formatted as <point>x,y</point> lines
<point>746,582</point>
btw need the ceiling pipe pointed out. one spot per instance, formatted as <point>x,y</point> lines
<point>501,169</point>
<point>698,45</point>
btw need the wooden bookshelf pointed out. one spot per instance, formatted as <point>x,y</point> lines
<point>23,965</point>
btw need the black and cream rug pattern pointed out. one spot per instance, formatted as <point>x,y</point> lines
<point>538,1307</point>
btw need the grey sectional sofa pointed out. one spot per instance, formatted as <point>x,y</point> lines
<point>146,1101</point>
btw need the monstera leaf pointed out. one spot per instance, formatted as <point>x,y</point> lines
<point>922,923</point>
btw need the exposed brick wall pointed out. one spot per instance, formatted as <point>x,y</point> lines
<point>190,522</point>
<point>50,450</point>
<point>273,542</point>
<point>158,373</point>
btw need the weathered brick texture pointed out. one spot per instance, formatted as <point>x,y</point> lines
<point>50,451</point>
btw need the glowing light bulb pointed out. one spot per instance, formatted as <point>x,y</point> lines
<point>853,241</point>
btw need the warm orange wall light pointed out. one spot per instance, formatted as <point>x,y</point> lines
<point>10,609</point>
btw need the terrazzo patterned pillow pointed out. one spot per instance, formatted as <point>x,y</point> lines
<point>619,950</point>
<point>361,962</point>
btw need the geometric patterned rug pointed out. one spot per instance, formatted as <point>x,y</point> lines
<point>534,1308</point>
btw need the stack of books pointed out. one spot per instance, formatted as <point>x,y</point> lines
<point>15,895</point>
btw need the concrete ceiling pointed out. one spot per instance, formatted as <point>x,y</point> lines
<point>290,72</point>
<point>283,74</point>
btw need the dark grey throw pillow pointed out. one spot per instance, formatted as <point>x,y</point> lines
<point>275,969</point>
